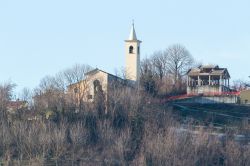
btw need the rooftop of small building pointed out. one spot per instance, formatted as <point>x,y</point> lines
<point>208,70</point>
<point>96,70</point>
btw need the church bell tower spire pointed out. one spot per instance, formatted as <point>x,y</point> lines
<point>132,35</point>
<point>132,48</point>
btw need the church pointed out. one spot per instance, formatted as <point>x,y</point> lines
<point>98,80</point>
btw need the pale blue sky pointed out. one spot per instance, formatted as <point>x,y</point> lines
<point>42,37</point>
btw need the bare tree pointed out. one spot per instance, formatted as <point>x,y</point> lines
<point>77,84</point>
<point>120,73</point>
<point>6,93</point>
<point>26,95</point>
<point>240,85</point>
<point>147,80</point>
<point>179,60</point>
<point>76,73</point>
<point>159,62</point>
<point>66,88</point>
<point>49,95</point>
<point>164,70</point>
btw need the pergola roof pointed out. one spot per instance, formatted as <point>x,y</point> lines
<point>206,70</point>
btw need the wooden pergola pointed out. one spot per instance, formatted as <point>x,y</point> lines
<point>209,76</point>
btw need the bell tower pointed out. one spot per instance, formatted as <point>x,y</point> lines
<point>132,48</point>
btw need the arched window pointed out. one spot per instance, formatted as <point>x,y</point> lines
<point>97,86</point>
<point>131,49</point>
<point>76,90</point>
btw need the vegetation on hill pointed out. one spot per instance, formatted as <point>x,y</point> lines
<point>130,128</point>
<point>134,131</point>
<point>163,73</point>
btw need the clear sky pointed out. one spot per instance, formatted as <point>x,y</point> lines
<point>43,37</point>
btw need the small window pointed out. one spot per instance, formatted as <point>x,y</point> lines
<point>138,50</point>
<point>97,86</point>
<point>76,90</point>
<point>131,49</point>
<point>90,97</point>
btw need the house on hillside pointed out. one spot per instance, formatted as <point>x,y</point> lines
<point>208,80</point>
<point>13,106</point>
<point>245,97</point>
<point>98,82</point>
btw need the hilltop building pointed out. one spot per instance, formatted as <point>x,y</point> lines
<point>208,80</point>
<point>245,97</point>
<point>101,81</point>
<point>13,106</point>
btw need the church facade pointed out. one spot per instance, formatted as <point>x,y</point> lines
<point>98,80</point>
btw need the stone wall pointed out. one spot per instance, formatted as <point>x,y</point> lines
<point>232,99</point>
<point>207,89</point>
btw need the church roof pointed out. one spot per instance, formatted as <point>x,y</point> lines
<point>94,71</point>
<point>132,35</point>
<point>111,76</point>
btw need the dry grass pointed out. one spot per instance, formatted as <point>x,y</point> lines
<point>148,136</point>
